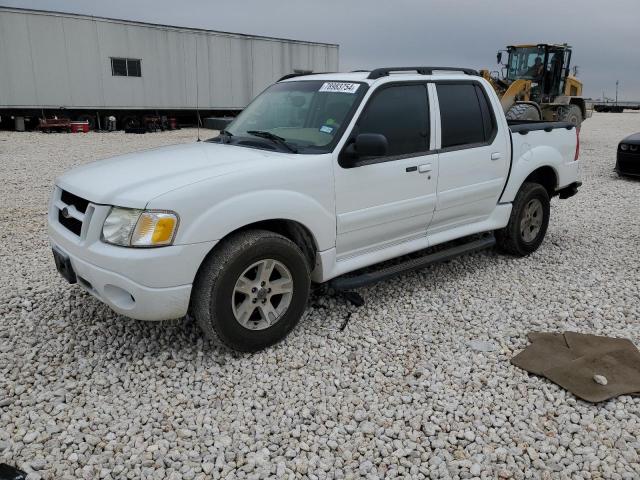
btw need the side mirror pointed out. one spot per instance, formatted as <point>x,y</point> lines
<point>368,145</point>
<point>499,57</point>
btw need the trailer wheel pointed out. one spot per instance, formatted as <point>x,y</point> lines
<point>571,114</point>
<point>523,111</point>
<point>130,122</point>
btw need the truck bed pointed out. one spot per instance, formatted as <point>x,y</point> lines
<point>525,126</point>
<point>535,143</point>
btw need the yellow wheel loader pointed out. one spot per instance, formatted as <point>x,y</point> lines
<point>536,84</point>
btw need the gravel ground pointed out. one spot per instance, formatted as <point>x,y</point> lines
<point>418,385</point>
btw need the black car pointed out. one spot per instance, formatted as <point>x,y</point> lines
<point>628,161</point>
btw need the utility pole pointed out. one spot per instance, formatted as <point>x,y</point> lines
<point>617,83</point>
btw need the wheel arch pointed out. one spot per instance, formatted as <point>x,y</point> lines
<point>545,176</point>
<point>293,230</point>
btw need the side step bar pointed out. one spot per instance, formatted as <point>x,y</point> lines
<point>350,283</point>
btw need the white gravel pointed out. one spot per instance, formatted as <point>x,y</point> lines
<point>419,383</point>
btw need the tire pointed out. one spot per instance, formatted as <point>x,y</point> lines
<point>130,122</point>
<point>523,111</point>
<point>219,297</point>
<point>518,238</point>
<point>571,114</point>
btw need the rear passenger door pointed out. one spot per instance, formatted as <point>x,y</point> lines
<point>388,200</point>
<point>473,159</point>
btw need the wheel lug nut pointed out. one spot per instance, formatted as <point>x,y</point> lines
<point>268,290</point>
<point>264,300</point>
<point>253,290</point>
<point>254,300</point>
<point>262,284</point>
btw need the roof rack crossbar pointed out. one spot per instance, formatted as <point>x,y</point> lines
<point>383,72</point>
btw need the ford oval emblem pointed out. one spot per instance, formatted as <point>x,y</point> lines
<point>65,212</point>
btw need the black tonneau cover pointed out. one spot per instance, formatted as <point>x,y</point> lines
<point>525,126</point>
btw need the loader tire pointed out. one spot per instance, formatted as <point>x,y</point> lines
<point>523,111</point>
<point>571,114</point>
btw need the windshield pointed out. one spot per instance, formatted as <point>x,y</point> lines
<point>309,115</point>
<point>526,63</point>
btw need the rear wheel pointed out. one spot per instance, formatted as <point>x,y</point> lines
<point>528,222</point>
<point>571,114</point>
<point>523,111</point>
<point>252,290</point>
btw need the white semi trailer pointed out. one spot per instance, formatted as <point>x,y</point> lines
<point>89,68</point>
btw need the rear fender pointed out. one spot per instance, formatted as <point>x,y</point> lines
<point>527,159</point>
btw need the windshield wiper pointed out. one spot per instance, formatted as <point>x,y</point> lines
<point>274,138</point>
<point>226,134</point>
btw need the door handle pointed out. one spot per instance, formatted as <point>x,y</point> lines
<point>425,168</point>
<point>496,156</point>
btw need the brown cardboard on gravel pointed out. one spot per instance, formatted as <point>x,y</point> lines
<point>572,359</point>
<point>620,367</point>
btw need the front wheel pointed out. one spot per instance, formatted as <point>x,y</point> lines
<point>528,221</point>
<point>251,290</point>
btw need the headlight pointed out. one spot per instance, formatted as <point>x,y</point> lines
<point>129,227</point>
<point>634,148</point>
<point>624,147</point>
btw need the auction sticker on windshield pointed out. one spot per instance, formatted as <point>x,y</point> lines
<point>340,87</point>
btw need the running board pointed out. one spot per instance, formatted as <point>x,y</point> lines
<point>349,283</point>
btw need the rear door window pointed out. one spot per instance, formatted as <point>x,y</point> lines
<point>400,113</point>
<point>465,115</point>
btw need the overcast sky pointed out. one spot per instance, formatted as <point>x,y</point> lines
<point>605,34</point>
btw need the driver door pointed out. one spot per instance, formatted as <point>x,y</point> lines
<point>387,200</point>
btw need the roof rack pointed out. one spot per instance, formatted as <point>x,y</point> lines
<point>302,74</point>
<point>383,72</point>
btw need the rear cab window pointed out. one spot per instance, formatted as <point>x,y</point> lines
<point>466,117</point>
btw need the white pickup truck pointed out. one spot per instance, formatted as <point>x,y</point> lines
<point>320,176</point>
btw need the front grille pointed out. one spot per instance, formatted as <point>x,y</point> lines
<point>629,163</point>
<point>71,211</point>
<point>69,198</point>
<point>70,223</point>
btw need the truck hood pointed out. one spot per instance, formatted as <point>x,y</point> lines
<point>132,180</point>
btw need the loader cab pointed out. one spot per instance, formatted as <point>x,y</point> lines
<point>545,65</point>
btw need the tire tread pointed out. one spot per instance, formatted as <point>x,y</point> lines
<point>508,238</point>
<point>212,267</point>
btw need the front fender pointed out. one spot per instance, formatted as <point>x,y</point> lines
<point>214,222</point>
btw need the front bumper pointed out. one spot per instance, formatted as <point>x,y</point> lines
<point>141,283</point>
<point>628,164</point>
<point>127,297</point>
